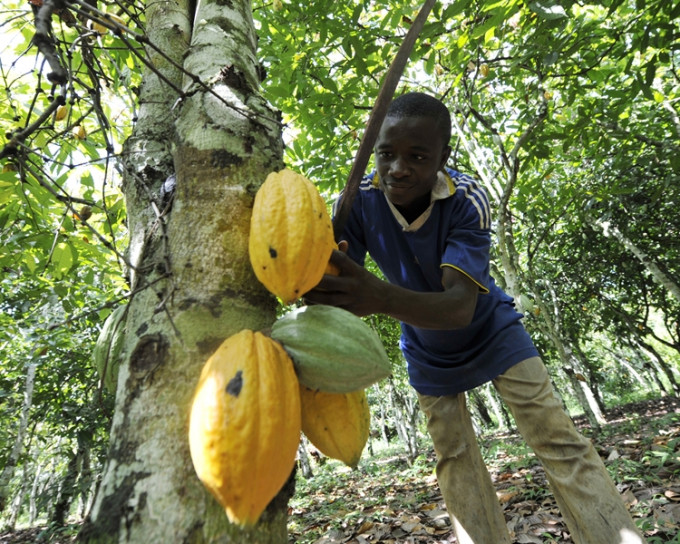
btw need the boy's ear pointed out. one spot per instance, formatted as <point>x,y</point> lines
<point>445,156</point>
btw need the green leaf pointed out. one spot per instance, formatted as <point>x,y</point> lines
<point>462,40</point>
<point>455,8</point>
<point>650,72</point>
<point>551,58</point>
<point>63,259</point>
<point>7,188</point>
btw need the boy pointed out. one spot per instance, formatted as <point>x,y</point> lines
<point>428,229</point>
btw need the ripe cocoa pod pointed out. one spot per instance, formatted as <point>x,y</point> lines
<point>244,427</point>
<point>337,424</point>
<point>291,235</point>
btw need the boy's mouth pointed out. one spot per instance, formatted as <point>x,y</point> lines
<point>398,185</point>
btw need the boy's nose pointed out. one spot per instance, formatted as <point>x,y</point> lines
<point>398,168</point>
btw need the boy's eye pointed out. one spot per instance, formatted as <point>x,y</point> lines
<point>414,157</point>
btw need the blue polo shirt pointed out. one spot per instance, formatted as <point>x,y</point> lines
<point>454,231</point>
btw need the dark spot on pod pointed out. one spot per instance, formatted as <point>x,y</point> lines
<point>235,384</point>
<point>272,253</point>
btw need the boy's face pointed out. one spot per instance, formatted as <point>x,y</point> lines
<point>409,152</point>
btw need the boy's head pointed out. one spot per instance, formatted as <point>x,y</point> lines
<point>410,150</point>
<point>423,105</point>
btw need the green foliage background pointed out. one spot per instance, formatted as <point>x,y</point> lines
<point>579,100</point>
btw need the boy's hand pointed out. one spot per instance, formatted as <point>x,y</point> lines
<point>350,289</point>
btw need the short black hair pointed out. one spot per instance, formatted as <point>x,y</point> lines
<point>416,104</point>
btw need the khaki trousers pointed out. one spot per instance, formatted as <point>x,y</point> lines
<point>588,500</point>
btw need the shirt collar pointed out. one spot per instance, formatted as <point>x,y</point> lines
<point>443,188</point>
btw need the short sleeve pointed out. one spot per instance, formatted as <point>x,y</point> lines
<point>469,236</point>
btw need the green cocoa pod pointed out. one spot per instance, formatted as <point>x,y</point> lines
<point>108,349</point>
<point>332,349</point>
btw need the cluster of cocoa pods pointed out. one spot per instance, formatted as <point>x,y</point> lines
<point>258,392</point>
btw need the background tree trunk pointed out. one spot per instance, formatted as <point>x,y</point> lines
<point>658,275</point>
<point>406,411</point>
<point>17,503</point>
<point>479,409</point>
<point>11,463</point>
<point>303,459</point>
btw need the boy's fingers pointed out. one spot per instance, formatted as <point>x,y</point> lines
<point>343,245</point>
<point>342,260</point>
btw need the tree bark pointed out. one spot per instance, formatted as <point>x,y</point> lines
<point>405,410</point>
<point>63,503</point>
<point>303,459</point>
<point>32,502</point>
<point>585,397</point>
<point>662,279</point>
<point>202,146</point>
<point>18,501</point>
<point>646,384</point>
<point>498,408</point>
<point>478,403</point>
<point>11,463</point>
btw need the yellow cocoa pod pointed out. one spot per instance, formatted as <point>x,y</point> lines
<point>99,28</point>
<point>61,113</point>
<point>79,132</point>
<point>291,235</point>
<point>336,423</point>
<point>244,426</point>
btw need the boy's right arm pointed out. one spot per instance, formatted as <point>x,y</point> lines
<point>357,290</point>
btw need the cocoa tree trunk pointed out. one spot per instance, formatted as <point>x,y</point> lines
<point>32,502</point>
<point>480,408</point>
<point>18,501</point>
<point>202,146</point>
<point>303,459</point>
<point>63,503</point>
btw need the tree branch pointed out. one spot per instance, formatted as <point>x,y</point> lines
<point>43,40</point>
<point>20,136</point>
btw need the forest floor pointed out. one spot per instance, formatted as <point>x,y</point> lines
<point>388,500</point>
